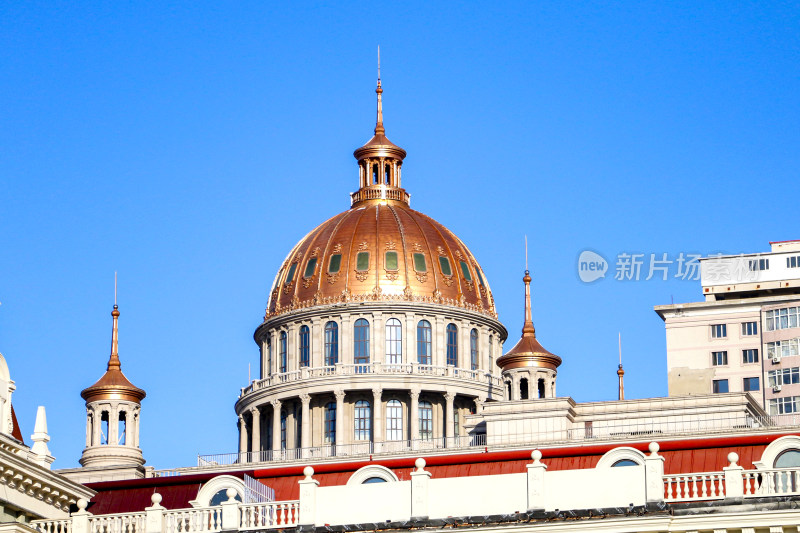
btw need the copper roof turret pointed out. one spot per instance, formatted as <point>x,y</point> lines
<point>379,162</point>
<point>528,352</point>
<point>113,385</point>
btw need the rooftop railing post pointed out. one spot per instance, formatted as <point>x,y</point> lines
<point>230,512</point>
<point>420,481</point>
<point>308,499</point>
<point>734,478</point>
<point>80,519</point>
<point>536,471</point>
<point>654,475</point>
<point>154,515</point>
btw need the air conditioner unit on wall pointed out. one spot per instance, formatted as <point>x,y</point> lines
<point>776,388</point>
<point>776,359</point>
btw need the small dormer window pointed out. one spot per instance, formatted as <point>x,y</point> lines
<point>290,275</point>
<point>444,264</point>
<point>362,261</point>
<point>465,271</point>
<point>310,267</point>
<point>390,261</point>
<point>419,263</point>
<point>335,263</point>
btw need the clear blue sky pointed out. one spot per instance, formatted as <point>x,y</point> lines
<point>189,145</point>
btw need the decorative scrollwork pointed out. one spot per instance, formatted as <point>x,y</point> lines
<point>422,277</point>
<point>361,276</point>
<point>392,275</point>
<point>391,245</point>
<point>337,248</point>
<point>448,280</point>
<point>363,246</point>
<point>333,278</point>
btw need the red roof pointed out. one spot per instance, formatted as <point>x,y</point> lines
<point>680,456</point>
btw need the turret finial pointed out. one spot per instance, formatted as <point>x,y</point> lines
<point>379,129</point>
<point>113,361</point>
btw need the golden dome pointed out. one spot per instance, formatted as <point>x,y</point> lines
<point>380,249</point>
<point>113,385</point>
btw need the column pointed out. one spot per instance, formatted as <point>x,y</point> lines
<point>410,339</point>
<point>276,428</point>
<point>89,427</point>
<point>377,419</point>
<point>316,343</point>
<point>255,437</point>
<point>449,419</point>
<point>242,435</point>
<point>464,355</point>
<point>378,347</point>
<point>485,355</point>
<point>533,385</point>
<point>305,429</point>
<point>129,428</point>
<point>439,342</point>
<point>136,416</point>
<point>340,417</point>
<point>292,360</point>
<point>414,408</point>
<point>345,340</point>
<point>113,425</point>
<point>478,405</point>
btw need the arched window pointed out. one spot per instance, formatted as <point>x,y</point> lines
<point>788,459</point>
<point>222,496</point>
<point>304,351</point>
<point>363,415</point>
<point>473,348</point>
<point>361,343</point>
<point>394,342</point>
<point>394,420</point>
<point>104,427</point>
<point>283,352</point>
<point>330,423</point>
<point>331,343</point>
<point>452,345</point>
<point>121,426</point>
<point>625,462</point>
<point>425,420</point>
<point>424,336</point>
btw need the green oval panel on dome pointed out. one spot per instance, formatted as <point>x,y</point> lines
<point>310,267</point>
<point>419,263</point>
<point>335,263</point>
<point>362,261</point>
<point>465,270</point>
<point>444,263</point>
<point>390,261</point>
<point>290,275</point>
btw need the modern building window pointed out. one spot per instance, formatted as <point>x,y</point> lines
<point>361,342</point>
<point>330,423</point>
<point>756,265</point>
<point>787,348</point>
<point>425,420</point>
<point>363,414</point>
<point>751,384</point>
<point>394,420</point>
<point>331,343</point>
<point>282,354</point>
<point>720,385</point>
<point>749,329</point>
<point>719,331</point>
<point>783,318</point>
<point>452,345</point>
<point>784,376</point>
<point>782,406</point>
<point>304,348</point>
<point>394,342</point>
<point>473,349</point>
<point>793,261</point>
<point>424,345</point>
<point>750,356</point>
<point>719,358</point>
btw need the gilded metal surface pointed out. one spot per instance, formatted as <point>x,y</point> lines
<point>113,385</point>
<point>380,221</point>
<point>528,352</point>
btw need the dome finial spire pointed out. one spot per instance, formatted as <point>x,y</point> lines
<point>113,361</point>
<point>379,129</point>
<point>527,326</point>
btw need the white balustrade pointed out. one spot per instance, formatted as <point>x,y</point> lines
<point>193,520</point>
<point>54,526</point>
<point>269,515</point>
<point>694,487</point>
<point>772,482</point>
<point>119,523</point>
